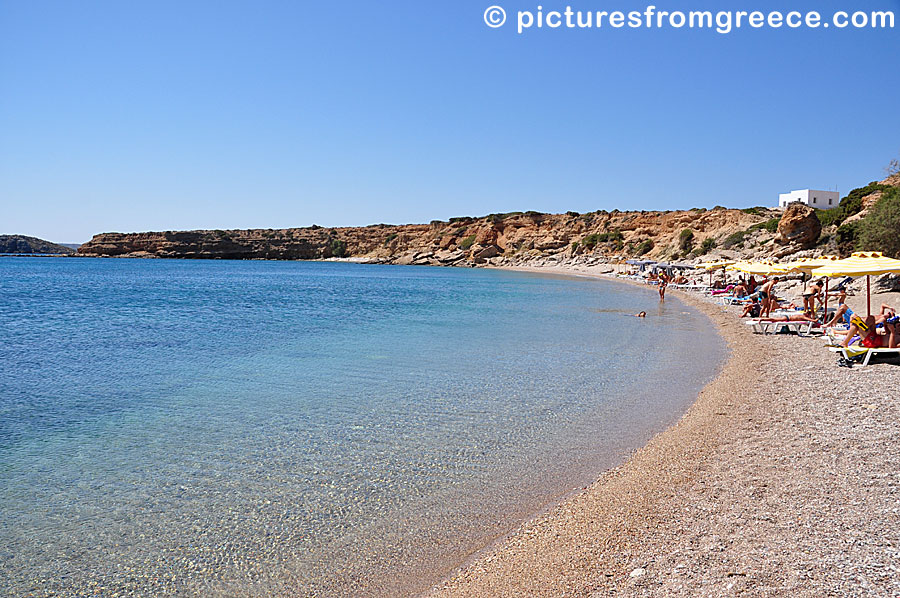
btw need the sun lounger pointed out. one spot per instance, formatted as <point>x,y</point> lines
<point>732,300</point>
<point>855,350</point>
<point>799,328</point>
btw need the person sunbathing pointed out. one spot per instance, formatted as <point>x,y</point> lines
<point>892,329</point>
<point>842,314</point>
<point>721,291</point>
<point>866,331</point>
<point>804,317</point>
<point>752,310</point>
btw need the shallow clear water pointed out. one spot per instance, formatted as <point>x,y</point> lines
<point>288,428</point>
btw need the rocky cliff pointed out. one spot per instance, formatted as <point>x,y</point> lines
<point>522,238</point>
<point>497,238</point>
<point>20,244</point>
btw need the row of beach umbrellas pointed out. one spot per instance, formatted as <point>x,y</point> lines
<point>871,263</point>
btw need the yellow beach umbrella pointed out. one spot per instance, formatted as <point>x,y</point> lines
<point>866,263</point>
<point>716,265</point>
<point>761,268</point>
<point>808,264</point>
<point>710,266</point>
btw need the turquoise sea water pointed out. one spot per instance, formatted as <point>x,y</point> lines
<point>283,428</point>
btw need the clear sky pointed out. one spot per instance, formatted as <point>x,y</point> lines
<point>131,116</point>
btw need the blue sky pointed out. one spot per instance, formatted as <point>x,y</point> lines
<point>130,116</point>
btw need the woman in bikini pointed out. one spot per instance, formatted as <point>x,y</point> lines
<point>804,317</point>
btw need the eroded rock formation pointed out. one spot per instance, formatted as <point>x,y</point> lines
<point>461,241</point>
<point>799,226</point>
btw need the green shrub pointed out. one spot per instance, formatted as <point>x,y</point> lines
<point>880,229</point>
<point>572,214</point>
<point>708,245</point>
<point>591,241</point>
<point>467,242</point>
<point>770,225</point>
<point>852,204</point>
<point>849,206</point>
<point>757,211</point>
<point>830,217</point>
<point>338,248</point>
<point>390,238</point>
<point>735,239</point>
<point>502,216</point>
<point>644,247</point>
<point>686,240</point>
<point>613,235</point>
<point>846,237</point>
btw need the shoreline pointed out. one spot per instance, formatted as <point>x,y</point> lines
<point>656,525</point>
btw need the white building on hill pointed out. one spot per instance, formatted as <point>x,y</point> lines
<point>821,200</point>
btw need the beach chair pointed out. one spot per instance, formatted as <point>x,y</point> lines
<point>855,350</point>
<point>798,328</point>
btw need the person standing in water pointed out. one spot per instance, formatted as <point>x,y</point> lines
<point>663,283</point>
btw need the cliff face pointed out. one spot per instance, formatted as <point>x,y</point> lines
<point>498,238</point>
<point>21,244</point>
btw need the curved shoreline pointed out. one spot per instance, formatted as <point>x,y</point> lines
<point>605,513</point>
<point>780,479</point>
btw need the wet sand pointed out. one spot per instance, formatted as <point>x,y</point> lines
<point>782,479</point>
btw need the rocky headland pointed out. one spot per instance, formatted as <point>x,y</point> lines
<point>20,244</point>
<point>518,238</point>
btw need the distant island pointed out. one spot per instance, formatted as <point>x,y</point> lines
<point>22,245</point>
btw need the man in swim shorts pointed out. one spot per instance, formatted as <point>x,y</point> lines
<point>867,331</point>
<point>766,296</point>
<point>814,292</point>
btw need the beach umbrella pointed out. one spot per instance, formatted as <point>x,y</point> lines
<point>760,268</point>
<point>807,264</point>
<point>717,265</point>
<point>864,263</point>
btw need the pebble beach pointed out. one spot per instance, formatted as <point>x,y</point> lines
<point>782,479</point>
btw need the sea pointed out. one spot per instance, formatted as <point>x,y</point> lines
<point>260,428</point>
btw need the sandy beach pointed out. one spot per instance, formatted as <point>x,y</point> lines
<point>782,479</point>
